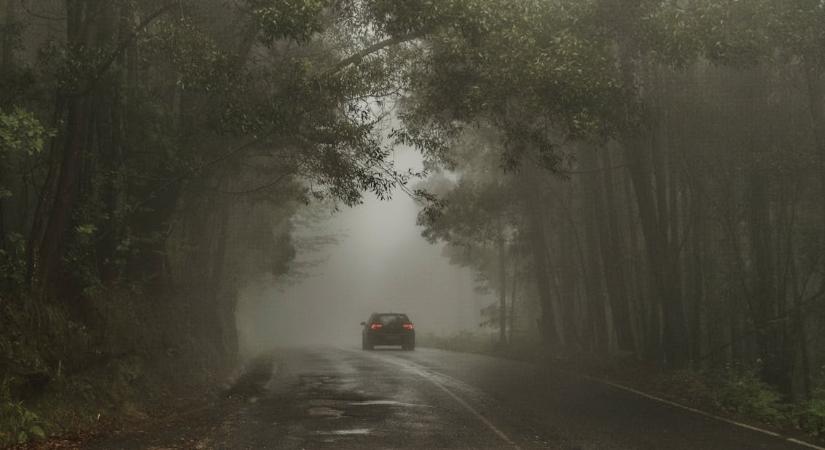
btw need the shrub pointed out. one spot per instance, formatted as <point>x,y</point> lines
<point>18,424</point>
<point>741,392</point>
<point>810,415</point>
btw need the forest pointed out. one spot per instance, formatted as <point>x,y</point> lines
<point>643,179</point>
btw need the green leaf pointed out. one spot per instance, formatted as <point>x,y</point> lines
<point>37,432</point>
<point>87,229</point>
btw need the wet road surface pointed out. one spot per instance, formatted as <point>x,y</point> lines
<point>348,399</point>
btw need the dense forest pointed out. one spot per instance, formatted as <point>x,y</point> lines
<point>631,177</point>
<point>151,157</point>
<point>662,178</point>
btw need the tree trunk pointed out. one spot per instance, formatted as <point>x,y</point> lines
<point>502,297</point>
<point>596,253</point>
<point>547,321</point>
<point>764,304</point>
<point>615,260</point>
<point>7,59</point>
<point>59,218</point>
<point>638,154</point>
<point>816,104</point>
<point>674,345</point>
<point>513,294</point>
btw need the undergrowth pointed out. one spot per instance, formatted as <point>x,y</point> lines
<point>59,378</point>
<point>18,424</point>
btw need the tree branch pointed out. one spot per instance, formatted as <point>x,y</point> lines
<point>378,46</point>
<point>124,44</point>
<point>39,15</point>
<point>259,188</point>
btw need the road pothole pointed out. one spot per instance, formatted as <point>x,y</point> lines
<point>350,432</point>
<point>386,403</point>
<point>324,411</point>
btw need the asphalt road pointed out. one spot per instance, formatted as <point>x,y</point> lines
<point>353,399</point>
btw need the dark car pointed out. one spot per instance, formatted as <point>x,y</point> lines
<point>388,329</point>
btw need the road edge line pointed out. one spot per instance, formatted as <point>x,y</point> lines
<point>423,373</point>
<point>692,410</point>
<point>473,411</point>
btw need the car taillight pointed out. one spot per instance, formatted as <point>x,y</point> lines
<point>375,326</point>
<point>408,326</point>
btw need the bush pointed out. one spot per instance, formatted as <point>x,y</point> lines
<point>810,415</point>
<point>18,424</point>
<point>740,391</point>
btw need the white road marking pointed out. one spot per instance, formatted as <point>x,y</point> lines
<point>386,403</point>
<point>430,376</point>
<point>352,432</point>
<point>693,410</point>
<point>469,408</point>
<point>433,378</point>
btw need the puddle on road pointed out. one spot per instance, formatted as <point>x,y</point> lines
<point>323,402</point>
<point>386,403</point>
<point>351,432</point>
<point>323,411</point>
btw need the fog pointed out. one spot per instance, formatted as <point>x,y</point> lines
<point>377,262</point>
<point>194,194</point>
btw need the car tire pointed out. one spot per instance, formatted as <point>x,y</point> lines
<point>409,347</point>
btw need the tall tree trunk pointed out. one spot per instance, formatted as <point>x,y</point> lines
<point>7,59</point>
<point>57,227</point>
<point>535,212</point>
<point>596,252</point>
<point>816,105</point>
<point>615,260</point>
<point>696,268</point>
<point>660,261</point>
<point>642,316</point>
<point>513,295</point>
<point>80,17</point>
<point>764,292</point>
<point>502,296</point>
<point>7,63</point>
<point>638,154</point>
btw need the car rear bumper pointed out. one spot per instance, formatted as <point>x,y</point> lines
<point>390,338</point>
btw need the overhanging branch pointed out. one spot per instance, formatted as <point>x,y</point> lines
<point>124,44</point>
<point>374,48</point>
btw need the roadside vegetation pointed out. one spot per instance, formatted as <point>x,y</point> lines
<point>635,180</point>
<point>641,182</point>
<point>734,392</point>
<point>153,155</point>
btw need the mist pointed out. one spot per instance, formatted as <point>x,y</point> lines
<point>301,224</point>
<point>377,261</point>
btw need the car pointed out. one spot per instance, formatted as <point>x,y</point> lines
<point>388,329</point>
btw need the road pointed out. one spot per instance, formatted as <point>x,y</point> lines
<point>348,399</point>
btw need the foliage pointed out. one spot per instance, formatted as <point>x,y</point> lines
<point>626,156</point>
<point>21,131</point>
<point>13,263</point>
<point>18,425</point>
<point>810,415</point>
<point>742,392</point>
<point>673,144</point>
<point>290,19</point>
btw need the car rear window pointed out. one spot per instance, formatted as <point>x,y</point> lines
<point>391,319</point>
